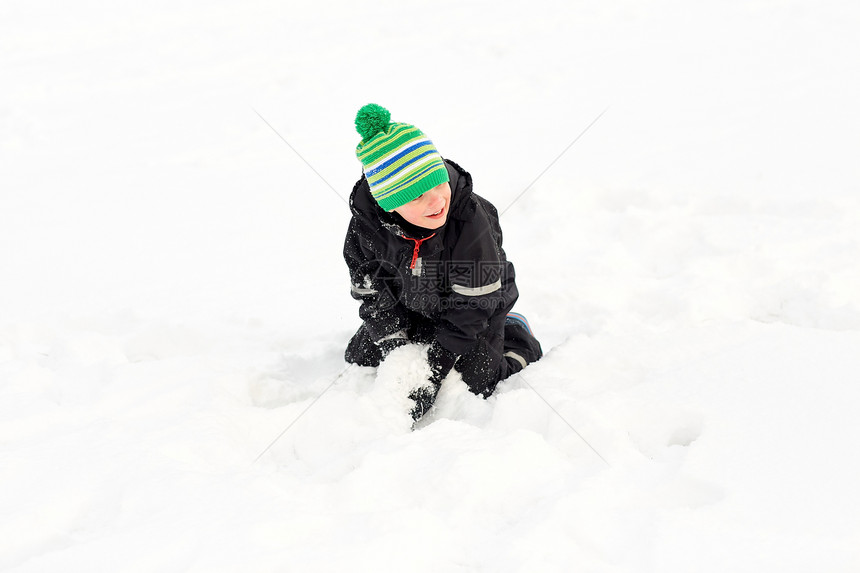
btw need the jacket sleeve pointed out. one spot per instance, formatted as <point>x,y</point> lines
<point>376,283</point>
<point>480,280</point>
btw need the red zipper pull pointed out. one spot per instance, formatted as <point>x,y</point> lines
<point>417,246</point>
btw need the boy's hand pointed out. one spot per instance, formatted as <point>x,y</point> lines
<point>424,398</point>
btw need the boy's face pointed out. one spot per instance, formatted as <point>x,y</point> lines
<point>429,210</point>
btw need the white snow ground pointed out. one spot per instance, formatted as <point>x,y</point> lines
<point>172,295</point>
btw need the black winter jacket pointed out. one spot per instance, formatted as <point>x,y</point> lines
<point>456,276</point>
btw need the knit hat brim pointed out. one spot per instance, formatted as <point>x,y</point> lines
<point>430,179</point>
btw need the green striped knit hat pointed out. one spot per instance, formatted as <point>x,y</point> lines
<point>399,161</point>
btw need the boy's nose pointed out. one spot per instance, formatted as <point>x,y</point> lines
<point>434,198</point>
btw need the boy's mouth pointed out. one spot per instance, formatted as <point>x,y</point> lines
<point>438,214</point>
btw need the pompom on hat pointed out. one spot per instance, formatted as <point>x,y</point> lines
<point>399,161</point>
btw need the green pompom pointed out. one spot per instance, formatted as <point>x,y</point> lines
<point>371,119</point>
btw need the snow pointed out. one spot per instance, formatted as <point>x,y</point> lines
<point>174,306</point>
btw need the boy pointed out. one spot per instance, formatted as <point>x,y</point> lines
<point>426,261</point>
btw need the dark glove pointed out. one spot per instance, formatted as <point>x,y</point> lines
<point>441,362</point>
<point>423,398</point>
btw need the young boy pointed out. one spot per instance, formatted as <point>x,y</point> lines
<point>426,261</point>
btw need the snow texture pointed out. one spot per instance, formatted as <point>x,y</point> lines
<point>173,297</point>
